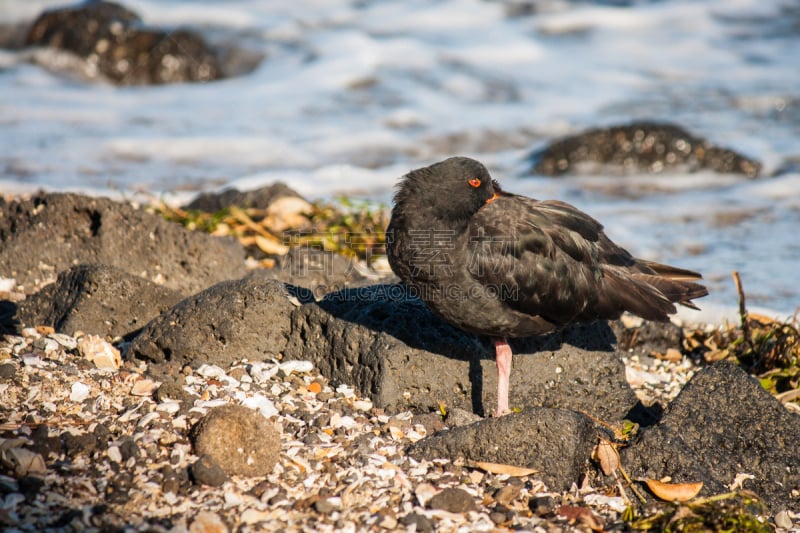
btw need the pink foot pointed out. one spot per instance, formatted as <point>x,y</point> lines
<point>503,359</point>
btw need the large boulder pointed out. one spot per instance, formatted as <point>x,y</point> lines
<point>51,232</point>
<point>389,345</point>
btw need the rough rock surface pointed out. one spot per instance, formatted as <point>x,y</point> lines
<point>723,424</point>
<point>638,147</point>
<point>51,232</point>
<point>556,442</point>
<point>321,272</point>
<point>260,198</point>
<point>391,347</point>
<point>99,299</point>
<point>114,43</point>
<point>239,439</point>
<point>231,320</point>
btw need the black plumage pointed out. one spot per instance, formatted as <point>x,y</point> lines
<point>505,265</point>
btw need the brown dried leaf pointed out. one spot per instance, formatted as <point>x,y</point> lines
<point>606,454</point>
<point>497,468</point>
<point>674,492</point>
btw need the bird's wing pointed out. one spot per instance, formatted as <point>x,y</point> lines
<point>549,259</point>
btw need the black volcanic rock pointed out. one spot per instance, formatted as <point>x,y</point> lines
<point>114,43</point>
<point>51,232</point>
<point>98,299</point>
<point>723,423</point>
<point>649,147</point>
<point>556,442</point>
<point>260,198</point>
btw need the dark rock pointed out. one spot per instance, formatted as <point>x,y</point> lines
<point>205,471</point>
<point>98,299</point>
<point>173,390</point>
<point>638,147</point>
<point>542,505</point>
<point>43,443</point>
<point>30,486</point>
<point>240,440</point>
<point>128,448</point>
<point>230,320</point>
<point>53,231</point>
<point>174,481</point>
<point>507,493</point>
<point>256,199</point>
<point>119,488</point>
<point>555,442</point>
<point>76,444</point>
<point>460,417</point>
<point>420,522</point>
<point>8,370</point>
<point>392,348</point>
<point>432,422</point>
<point>723,423</point>
<point>453,500</point>
<point>114,43</point>
<point>319,271</point>
<point>647,338</point>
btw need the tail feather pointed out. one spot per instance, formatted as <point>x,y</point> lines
<point>648,290</point>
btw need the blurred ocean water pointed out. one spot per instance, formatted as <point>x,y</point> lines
<point>350,95</point>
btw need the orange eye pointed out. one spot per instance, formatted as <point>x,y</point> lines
<point>475,182</point>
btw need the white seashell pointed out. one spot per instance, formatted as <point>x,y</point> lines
<point>210,371</point>
<point>114,454</point>
<point>264,405</point>
<point>144,387</point>
<point>296,366</point>
<point>362,405</point>
<point>64,340</point>
<point>80,392</point>
<point>169,406</point>
<point>99,352</point>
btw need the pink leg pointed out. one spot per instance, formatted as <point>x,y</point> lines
<point>503,358</point>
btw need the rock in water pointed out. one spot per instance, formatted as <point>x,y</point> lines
<point>649,147</point>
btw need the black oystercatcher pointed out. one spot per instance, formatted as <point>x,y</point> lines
<point>499,264</point>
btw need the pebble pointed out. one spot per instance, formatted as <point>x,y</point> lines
<point>205,471</point>
<point>8,370</point>
<point>453,500</point>
<point>240,440</point>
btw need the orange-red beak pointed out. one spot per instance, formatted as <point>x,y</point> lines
<point>493,198</point>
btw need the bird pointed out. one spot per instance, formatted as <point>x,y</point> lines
<point>502,265</point>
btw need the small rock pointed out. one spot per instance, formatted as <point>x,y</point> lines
<point>423,523</point>
<point>324,506</point>
<point>240,440</point>
<point>205,471</point>
<point>542,505</point>
<point>7,371</point>
<point>77,444</point>
<point>507,493</point>
<point>453,500</point>
<point>128,448</point>
<point>30,486</point>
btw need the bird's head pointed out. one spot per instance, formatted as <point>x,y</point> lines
<point>452,190</point>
